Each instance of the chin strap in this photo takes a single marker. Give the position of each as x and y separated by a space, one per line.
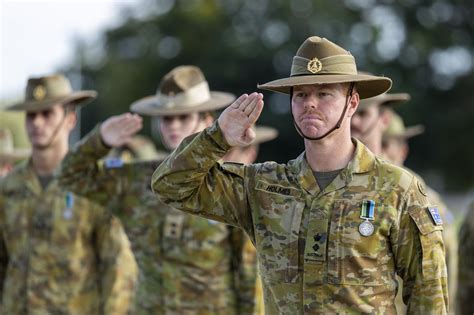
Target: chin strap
338 124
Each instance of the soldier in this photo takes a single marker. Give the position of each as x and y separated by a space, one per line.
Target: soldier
188 265
372 118
465 291
395 149
8 153
59 253
332 227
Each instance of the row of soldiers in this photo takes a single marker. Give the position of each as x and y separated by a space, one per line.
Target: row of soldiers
82 231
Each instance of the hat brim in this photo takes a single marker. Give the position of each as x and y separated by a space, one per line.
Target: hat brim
367 85
387 100
264 134
408 133
15 155
77 98
149 105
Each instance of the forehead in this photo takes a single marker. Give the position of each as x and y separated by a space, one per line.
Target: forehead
53 108
332 86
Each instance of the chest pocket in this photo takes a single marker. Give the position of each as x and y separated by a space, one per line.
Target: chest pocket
277 230
354 258
194 240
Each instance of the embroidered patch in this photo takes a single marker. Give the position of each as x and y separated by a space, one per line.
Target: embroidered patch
113 163
435 215
421 188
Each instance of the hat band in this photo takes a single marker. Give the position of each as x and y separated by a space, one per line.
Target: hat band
195 95
339 64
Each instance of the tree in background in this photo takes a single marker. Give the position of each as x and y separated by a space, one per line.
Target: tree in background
426 47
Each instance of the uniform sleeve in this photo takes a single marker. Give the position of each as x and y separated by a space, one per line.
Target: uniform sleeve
465 293
192 180
117 265
420 256
244 264
82 174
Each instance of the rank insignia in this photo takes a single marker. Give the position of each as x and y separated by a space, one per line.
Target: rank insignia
435 215
367 210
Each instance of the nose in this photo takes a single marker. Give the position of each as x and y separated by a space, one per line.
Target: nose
310 102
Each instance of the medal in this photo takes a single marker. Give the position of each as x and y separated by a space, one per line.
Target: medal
67 213
366 228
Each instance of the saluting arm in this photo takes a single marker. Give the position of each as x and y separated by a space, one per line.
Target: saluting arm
81 172
192 180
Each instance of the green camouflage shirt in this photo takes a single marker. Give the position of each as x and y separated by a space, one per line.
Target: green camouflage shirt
188 265
60 253
465 292
312 257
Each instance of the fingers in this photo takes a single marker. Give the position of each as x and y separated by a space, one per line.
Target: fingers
257 108
238 101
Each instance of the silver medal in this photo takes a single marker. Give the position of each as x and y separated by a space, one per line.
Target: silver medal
366 228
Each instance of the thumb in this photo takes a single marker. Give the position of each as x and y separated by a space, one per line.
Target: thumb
250 135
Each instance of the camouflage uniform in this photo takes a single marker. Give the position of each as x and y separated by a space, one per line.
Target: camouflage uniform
60 253
188 265
465 292
311 255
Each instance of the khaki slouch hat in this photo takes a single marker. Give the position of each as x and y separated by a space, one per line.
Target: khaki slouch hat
46 91
320 61
183 90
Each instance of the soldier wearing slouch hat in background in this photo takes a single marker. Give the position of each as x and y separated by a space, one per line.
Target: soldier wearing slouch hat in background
333 227
188 265
59 253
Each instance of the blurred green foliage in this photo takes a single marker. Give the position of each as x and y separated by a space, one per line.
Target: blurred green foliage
426 47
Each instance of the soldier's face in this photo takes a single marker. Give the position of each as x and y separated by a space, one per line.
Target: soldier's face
395 150
47 127
364 121
175 128
317 108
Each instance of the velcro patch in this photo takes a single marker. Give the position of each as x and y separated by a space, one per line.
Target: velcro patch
435 215
113 163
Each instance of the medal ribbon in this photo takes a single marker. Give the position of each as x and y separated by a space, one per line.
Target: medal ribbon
367 210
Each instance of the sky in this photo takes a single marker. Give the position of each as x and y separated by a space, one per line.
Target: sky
37 36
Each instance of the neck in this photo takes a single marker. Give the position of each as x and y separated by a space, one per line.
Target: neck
330 153
374 143
46 160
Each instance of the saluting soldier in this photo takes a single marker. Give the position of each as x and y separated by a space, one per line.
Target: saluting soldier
188 265
333 226
59 253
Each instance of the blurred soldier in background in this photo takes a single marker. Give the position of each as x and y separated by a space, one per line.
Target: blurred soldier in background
465 290
395 149
331 227
188 265
59 253
9 155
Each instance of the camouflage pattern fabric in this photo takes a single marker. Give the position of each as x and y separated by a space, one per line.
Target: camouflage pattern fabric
450 240
465 292
60 253
311 255
188 265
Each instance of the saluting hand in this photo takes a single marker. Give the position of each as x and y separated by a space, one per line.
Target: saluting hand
236 121
118 130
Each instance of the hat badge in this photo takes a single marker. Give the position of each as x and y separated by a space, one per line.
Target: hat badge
314 65
39 92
